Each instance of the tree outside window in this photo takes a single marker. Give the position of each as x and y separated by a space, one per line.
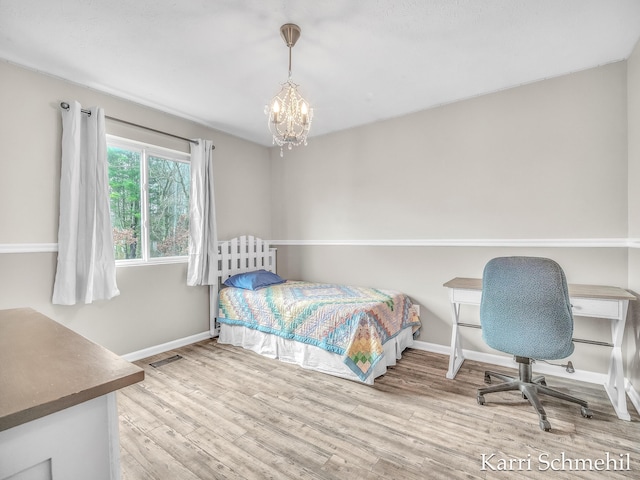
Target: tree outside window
153 222
168 207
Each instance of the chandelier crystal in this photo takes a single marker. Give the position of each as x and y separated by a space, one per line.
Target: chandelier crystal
288 113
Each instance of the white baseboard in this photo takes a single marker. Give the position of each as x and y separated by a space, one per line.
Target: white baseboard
431 347
165 347
633 395
508 362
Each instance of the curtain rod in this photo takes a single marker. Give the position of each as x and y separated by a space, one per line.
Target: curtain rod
65 105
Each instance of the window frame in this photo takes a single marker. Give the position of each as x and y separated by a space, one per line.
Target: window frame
147 150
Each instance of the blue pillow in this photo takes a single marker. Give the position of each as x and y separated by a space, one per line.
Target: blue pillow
253 280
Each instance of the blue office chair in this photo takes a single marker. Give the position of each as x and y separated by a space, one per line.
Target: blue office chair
525 311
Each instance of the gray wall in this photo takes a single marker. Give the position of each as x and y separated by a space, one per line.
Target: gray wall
155 305
557 159
545 160
542 161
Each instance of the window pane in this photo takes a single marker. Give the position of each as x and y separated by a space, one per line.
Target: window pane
124 183
168 207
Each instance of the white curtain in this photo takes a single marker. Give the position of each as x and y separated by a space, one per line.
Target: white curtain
86 268
203 240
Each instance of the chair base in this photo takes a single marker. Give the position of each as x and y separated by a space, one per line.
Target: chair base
530 388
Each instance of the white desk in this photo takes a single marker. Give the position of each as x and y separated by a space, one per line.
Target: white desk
596 301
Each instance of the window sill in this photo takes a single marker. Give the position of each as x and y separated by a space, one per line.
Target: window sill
153 261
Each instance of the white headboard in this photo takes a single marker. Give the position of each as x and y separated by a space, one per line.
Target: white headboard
238 255
244 254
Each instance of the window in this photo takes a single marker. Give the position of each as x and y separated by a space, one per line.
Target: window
149 202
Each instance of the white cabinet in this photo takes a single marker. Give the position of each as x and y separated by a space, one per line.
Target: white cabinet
58 410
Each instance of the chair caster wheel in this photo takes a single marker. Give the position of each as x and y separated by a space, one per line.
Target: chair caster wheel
545 425
480 399
487 379
586 413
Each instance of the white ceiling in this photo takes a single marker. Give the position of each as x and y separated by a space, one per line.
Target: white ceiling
218 62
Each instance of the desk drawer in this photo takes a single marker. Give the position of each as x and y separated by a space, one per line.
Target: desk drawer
469 297
600 308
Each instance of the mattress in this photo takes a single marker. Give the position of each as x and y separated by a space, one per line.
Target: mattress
321 326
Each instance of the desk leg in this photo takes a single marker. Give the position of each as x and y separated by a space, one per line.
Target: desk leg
615 382
455 357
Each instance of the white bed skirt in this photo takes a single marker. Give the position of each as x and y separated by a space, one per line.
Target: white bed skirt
310 356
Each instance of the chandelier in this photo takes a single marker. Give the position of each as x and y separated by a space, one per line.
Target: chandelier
289 114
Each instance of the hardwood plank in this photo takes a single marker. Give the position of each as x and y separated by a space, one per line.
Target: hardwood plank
323 437
194 405
342 468
158 407
154 458
131 469
202 463
248 458
223 412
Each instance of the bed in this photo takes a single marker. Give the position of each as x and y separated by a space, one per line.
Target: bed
346 331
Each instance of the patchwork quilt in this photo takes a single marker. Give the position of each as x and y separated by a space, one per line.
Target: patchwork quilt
353 322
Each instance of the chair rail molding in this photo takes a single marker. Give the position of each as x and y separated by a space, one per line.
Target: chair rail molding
28 247
471 242
401 242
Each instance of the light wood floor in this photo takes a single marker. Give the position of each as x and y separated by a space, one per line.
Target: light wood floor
223 412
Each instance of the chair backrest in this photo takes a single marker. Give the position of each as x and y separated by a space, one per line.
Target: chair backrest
525 308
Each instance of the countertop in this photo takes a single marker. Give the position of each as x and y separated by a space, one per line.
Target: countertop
46 367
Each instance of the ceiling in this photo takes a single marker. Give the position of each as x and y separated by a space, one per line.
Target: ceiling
218 62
